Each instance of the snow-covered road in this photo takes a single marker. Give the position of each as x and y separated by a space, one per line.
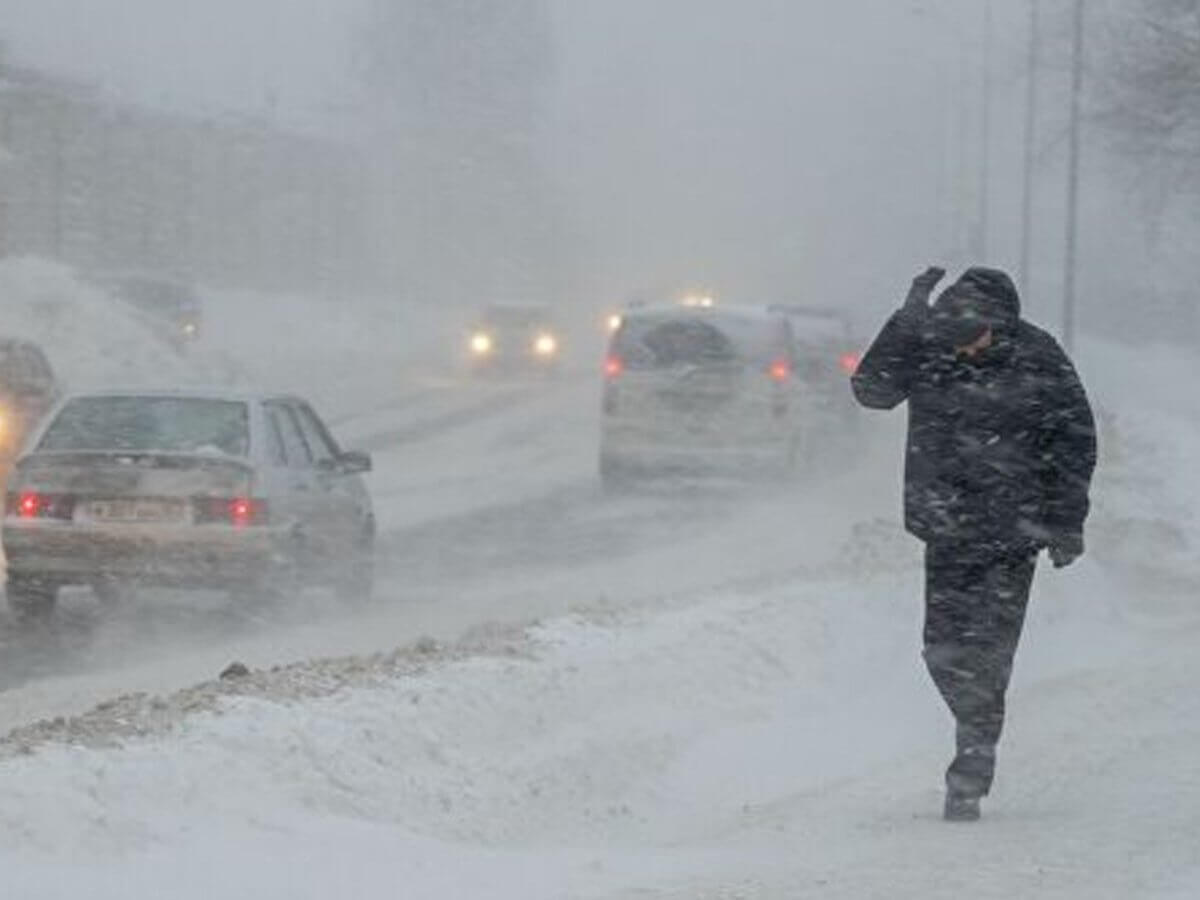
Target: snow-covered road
712 692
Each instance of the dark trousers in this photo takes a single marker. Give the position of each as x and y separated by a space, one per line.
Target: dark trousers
975 601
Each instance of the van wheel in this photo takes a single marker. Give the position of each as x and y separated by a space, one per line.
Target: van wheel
31 598
789 461
616 475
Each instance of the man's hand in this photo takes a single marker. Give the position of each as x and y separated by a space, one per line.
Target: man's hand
1066 549
922 287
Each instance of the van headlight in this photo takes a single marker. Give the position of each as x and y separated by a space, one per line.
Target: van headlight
481 344
545 345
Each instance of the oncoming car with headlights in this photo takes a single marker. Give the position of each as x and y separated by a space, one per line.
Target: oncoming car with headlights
171 308
248 494
700 389
516 338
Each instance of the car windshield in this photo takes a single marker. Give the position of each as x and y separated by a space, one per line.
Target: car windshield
162 298
12 361
151 424
514 317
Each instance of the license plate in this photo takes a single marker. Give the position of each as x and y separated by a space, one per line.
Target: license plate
148 511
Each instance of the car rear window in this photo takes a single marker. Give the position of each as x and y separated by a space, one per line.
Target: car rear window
813 327
687 341
151 424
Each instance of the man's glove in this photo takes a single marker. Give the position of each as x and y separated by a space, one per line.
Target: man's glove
922 288
1065 549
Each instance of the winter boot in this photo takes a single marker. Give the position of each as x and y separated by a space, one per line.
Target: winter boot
961 807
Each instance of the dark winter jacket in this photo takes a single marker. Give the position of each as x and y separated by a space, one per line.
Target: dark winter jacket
1000 448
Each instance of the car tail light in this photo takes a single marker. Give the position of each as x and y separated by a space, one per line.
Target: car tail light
849 362
781 370
34 505
614 367
240 512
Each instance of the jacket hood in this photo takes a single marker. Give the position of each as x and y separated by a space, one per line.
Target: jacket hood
980 299
997 289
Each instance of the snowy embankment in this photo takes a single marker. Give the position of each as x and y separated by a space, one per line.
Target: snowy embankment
775 744
352 359
91 341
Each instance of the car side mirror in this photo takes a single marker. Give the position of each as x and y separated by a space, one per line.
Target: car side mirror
355 462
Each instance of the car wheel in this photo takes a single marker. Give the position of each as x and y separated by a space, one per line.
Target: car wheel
277 583
355 581
111 592
31 598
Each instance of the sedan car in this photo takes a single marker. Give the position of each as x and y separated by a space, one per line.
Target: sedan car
249 494
700 388
170 308
512 338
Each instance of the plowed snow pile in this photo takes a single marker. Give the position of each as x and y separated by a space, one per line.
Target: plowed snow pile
765 746
348 357
91 339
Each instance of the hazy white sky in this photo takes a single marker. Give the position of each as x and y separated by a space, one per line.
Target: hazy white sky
756 142
193 53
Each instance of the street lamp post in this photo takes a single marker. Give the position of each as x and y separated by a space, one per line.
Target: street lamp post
1031 97
985 140
1072 248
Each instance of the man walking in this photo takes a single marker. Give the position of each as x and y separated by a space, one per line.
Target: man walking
1001 449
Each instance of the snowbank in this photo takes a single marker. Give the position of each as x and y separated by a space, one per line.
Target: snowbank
91 340
781 744
349 355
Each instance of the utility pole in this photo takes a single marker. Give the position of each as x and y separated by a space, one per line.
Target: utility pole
1031 96
1072 250
985 137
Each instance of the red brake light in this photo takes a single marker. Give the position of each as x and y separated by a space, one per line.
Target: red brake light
781 370
29 506
614 366
32 505
240 512
849 362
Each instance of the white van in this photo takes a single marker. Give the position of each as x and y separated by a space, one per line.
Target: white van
700 389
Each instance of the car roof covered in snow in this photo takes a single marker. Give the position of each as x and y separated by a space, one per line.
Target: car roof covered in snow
816 322
756 330
736 317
